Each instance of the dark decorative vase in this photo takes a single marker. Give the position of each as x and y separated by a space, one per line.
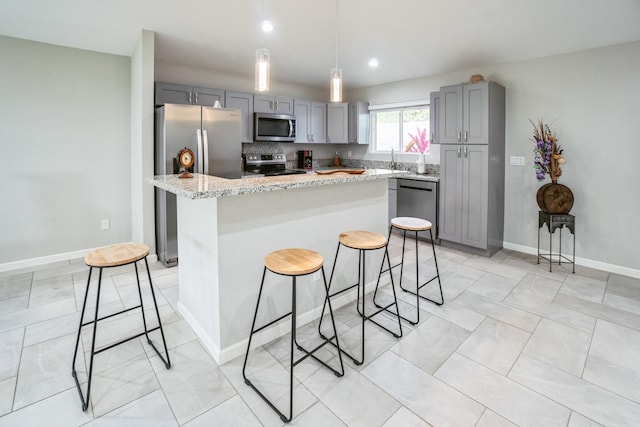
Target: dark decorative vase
555 198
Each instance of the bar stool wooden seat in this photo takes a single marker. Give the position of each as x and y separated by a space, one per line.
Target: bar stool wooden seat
115 256
363 241
415 224
294 263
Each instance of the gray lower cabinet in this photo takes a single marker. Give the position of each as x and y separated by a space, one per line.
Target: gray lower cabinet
471 196
171 93
338 122
243 102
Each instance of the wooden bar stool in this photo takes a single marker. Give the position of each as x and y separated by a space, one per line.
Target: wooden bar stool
415 224
293 263
364 241
115 256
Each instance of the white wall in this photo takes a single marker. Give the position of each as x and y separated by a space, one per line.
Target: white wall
64 133
594 96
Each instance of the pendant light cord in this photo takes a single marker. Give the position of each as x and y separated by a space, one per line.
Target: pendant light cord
336 33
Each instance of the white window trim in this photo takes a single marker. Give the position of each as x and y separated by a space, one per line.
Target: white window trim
397 105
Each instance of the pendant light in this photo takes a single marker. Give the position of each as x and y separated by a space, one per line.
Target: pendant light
263 70
263 60
336 73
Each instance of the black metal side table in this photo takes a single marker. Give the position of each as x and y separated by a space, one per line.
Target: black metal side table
555 221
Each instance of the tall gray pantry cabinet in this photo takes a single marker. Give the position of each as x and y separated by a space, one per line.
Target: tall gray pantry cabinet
472 162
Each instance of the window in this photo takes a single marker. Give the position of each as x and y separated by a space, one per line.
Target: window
401 129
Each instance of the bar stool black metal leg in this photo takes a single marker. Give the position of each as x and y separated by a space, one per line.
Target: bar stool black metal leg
418 286
85 401
246 356
253 328
167 361
395 298
75 353
324 306
293 340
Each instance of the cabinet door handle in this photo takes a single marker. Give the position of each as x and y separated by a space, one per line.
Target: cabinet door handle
196 98
466 133
465 151
276 105
189 97
459 151
459 135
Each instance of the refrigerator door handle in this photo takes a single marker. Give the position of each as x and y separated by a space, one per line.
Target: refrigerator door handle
206 151
199 153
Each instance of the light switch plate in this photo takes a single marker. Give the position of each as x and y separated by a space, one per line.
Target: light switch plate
516 161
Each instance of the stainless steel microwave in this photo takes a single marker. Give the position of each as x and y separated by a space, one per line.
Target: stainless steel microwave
274 127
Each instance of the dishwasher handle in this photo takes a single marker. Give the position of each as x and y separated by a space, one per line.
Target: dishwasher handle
415 188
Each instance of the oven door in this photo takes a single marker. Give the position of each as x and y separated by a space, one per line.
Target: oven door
274 127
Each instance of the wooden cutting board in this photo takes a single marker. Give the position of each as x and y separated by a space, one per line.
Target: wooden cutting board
349 171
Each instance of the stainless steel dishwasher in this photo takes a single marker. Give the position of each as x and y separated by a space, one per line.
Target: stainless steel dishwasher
419 199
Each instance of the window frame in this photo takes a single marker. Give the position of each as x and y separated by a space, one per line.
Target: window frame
400 107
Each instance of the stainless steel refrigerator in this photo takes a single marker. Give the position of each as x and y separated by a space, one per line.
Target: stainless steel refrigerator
214 136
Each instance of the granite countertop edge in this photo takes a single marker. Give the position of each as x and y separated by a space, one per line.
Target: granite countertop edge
205 186
421 177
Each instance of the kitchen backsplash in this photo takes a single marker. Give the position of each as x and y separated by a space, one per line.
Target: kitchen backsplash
324 158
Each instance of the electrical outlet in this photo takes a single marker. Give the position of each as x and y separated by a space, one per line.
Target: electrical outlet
317 276
104 224
349 154
516 161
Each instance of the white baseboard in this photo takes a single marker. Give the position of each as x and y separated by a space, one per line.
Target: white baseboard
65 256
598 265
239 348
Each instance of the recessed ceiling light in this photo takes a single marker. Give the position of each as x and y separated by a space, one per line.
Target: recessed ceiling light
267 26
373 62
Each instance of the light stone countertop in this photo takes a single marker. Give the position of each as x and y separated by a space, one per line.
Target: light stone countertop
205 186
421 177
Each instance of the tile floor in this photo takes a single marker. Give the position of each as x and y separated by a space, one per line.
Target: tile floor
512 345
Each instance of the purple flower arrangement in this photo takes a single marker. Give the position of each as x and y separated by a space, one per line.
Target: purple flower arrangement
547 155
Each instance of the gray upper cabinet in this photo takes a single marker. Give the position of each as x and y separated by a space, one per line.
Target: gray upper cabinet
243 102
359 122
451 114
338 123
208 97
464 113
170 93
272 104
472 171
311 121
434 117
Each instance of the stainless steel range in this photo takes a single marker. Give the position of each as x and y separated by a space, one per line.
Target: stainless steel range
268 165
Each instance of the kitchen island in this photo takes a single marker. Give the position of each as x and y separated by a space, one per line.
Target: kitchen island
226 227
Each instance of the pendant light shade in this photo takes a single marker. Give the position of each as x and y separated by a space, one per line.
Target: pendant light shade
336 85
263 70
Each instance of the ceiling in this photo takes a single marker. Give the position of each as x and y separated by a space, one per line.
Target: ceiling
411 38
